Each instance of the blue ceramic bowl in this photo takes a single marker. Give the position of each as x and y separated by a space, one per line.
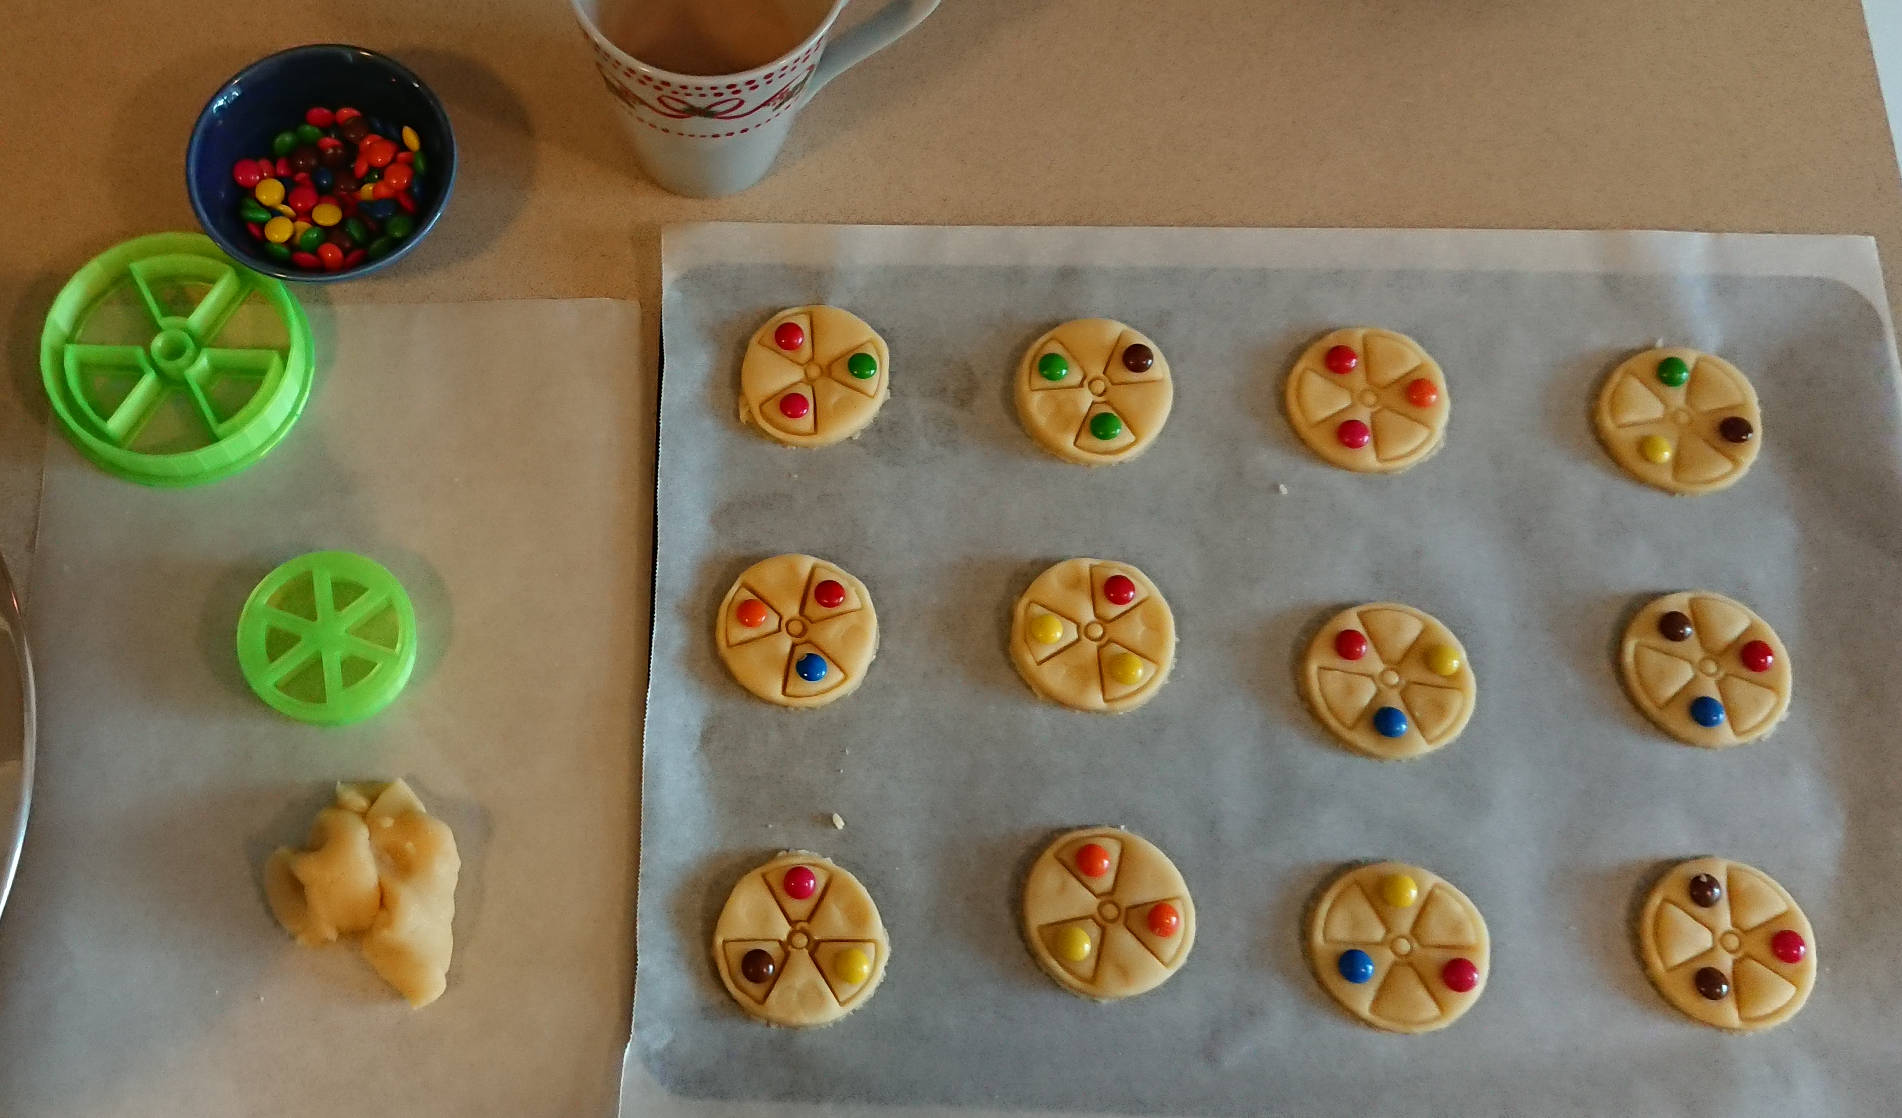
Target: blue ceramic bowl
271 95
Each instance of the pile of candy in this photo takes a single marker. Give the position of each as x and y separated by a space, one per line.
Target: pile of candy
336 190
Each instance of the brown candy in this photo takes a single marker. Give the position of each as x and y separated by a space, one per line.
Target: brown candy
1705 890
1674 626
1138 358
758 966
334 157
304 159
345 183
353 130
1736 429
1712 983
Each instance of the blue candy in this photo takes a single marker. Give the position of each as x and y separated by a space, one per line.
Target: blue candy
1390 722
323 179
1356 966
377 209
1707 712
811 667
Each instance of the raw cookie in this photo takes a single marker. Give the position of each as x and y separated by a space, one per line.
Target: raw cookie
800 942
1093 634
797 631
1680 420
814 376
1106 914
1399 947
1368 400
1726 945
1388 680
1094 391
1706 669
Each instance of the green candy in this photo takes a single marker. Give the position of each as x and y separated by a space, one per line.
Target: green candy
380 247
309 133
1674 372
283 144
1052 366
418 164
354 229
1105 426
862 365
277 251
400 226
310 239
253 211
374 174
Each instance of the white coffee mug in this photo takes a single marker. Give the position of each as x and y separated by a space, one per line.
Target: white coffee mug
708 136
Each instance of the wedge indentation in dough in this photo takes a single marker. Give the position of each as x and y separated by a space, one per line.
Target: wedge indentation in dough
797 909
810 607
797 686
736 950
1083 969
1443 922
1710 388
1041 652
1747 705
1164 948
825 955
1346 694
1661 674
737 634
1403 997
836 333
840 404
1074 375
1435 709
841 371
1680 937
1352 919
1145 629
772 373
1392 631
1753 901
1388 359
1086 438
1698 462
1632 403
1759 990
1396 436
772 415
1107 610
798 356
1113 688
1319 397
1718 623
1104 883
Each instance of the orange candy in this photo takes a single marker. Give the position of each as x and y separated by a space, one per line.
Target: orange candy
751 613
1422 393
1164 920
1092 860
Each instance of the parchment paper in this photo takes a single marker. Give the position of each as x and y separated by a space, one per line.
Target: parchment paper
1552 811
495 457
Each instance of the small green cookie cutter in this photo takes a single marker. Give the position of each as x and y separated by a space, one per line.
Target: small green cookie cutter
134 371
327 638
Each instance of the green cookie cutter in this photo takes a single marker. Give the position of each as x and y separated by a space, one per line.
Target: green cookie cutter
327 638
170 364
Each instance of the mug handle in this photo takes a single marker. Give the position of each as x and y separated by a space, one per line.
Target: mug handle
867 39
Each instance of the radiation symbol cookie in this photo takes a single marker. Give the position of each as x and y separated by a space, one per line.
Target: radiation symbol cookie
799 942
1399 947
1094 391
1368 400
1389 680
1683 421
1106 914
797 631
1093 635
1726 945
814 376
1706 669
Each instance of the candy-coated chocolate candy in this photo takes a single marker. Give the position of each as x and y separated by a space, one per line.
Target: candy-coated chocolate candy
1711 983
1655 448
1674 372
305 260
1422 393
420 165
757 966
830 594
380 153
1460 975
277 230
1399 890
408 203
1106 425
1674 625
282 143
319 117
397 176
247 174
789 335
343 182
1046 628
256 231
1707 712
399 225
1757 656
1353 434
334 158
326 214
1788 946
800 882
310 239
751 613
1126 668
382 189
323 180
281 253
811 667
358 232
1053 366
1443 659
286 211
1705 890
411 140
366 192
354 257
252 210
1736 429
1092 860
301 198
378 210
1119 589
794 406
1164 921
353 130
347 114
330 256
1072 943
270 192
1138 358
283 168
1350 644
308 133
1390 722
379 247
1341 359
1355 965
852 966
862 366
304 159
336 236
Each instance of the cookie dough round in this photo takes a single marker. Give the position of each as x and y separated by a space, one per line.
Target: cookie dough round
1706 669
1682 421
1094 391
1389 680
1726 945
797 631
1107 914
814 376
799 942
1094 635
1399 947
1369 400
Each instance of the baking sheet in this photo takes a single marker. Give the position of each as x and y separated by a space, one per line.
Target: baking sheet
496 457
1551 811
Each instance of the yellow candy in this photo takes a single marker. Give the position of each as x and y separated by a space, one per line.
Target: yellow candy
366 192
269 192
298 227
1655 448
852 967
1073 943
286 211
1399 891
1442 660
277 230
326 214
411 140
1046 629
1126 668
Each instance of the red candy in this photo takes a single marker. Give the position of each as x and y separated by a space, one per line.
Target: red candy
254 229
1119 589
1092 860
789 335
1350 644
405 201
406 157
328 143
382 189
1788 946
800 882
1342 359
305 260
380 153
247 173
330 256
398 176
1460 975
1756 656
320 117
1164 920
301 198
283 168
354 257
346 115
1353 434
1422 393
829 594
794 406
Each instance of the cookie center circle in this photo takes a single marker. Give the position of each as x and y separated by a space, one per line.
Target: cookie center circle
1108 912
1680 417
798 940
795 627
1368 398
814 372
1707 665
1098 386
1731 942
1093 631
1402 946
1389 677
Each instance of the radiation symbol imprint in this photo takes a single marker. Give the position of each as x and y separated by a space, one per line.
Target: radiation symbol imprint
1094 635
1706 669
797 631
1094 391
800 942
1399 947
1388 680
1682 421
814 376
1726 945
1368 400
1107 914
